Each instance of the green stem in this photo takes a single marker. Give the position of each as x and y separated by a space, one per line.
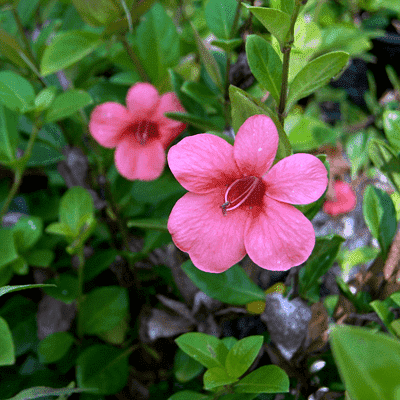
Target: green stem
21 165
135 60
286 49
81 266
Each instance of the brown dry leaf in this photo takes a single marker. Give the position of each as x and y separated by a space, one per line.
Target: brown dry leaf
392 264
343 309
317 335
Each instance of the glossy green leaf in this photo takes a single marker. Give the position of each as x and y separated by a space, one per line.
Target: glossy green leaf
76 208
16 93
209 124
11 49
266 379
27 231
232 286
265 65
40 392
227 45
158 43
206 349
217 376
385 159
229 341
287 6
391 126
59 228
209 61
200 93
383 312
54 347
149 223
7 352
316 74
9 136
369 362
319 262
104 369
100 13
356 149
361 255
276 21
67 104
104 308
45 97
220 15
242 355
8 251
380 216
9 289
185 367
188 395
244 106
67 49
396 298
65 288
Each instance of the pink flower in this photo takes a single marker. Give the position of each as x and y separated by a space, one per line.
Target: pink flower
235 207
345 199
141 133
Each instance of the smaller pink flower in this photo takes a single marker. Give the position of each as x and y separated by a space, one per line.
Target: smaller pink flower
344 201
238 204
141 132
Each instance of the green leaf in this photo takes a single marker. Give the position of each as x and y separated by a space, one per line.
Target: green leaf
242 355
265 65
27 231
356 149
266 379
276 21
65 288
316 74
12 50
361 255
76 208
9 137
104 308
98 262
206 349
396 298
198 122
185 367
7 353
369 362
103 369
217 376
67 49
59 228
232 286
244 106
200 93
209 61
385 159
220 15
54 347
287 6
321 259
383 312
100 13
9 289
43 154
188 395
380 216
40 391
149 223
45 97
227 45
39 257
16 93
8 251
67 104
158 43
391 126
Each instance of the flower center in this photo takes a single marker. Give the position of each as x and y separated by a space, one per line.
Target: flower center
144 131
249 190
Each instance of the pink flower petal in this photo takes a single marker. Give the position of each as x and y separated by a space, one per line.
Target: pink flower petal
135 161
107 123
279 237
203 162
214 241
255 145
345 201
142 100
297 179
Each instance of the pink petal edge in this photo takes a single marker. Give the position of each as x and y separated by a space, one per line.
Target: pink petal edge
142 101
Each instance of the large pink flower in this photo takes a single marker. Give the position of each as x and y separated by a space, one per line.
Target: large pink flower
344 201
236 204
141 133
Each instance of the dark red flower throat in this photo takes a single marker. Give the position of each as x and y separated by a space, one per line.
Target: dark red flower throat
246 192
143 131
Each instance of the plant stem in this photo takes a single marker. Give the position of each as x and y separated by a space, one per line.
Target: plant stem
286 49
21 165
79 300
135 60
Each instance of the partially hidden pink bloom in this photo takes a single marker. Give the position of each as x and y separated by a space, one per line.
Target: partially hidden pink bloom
344 201
238 204
140 132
